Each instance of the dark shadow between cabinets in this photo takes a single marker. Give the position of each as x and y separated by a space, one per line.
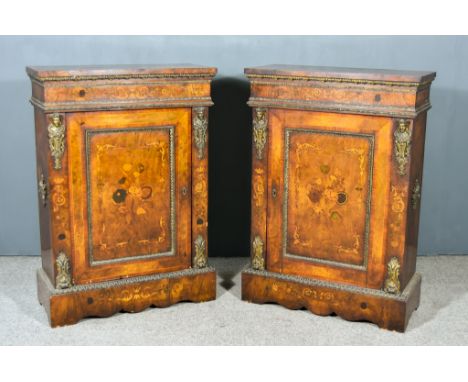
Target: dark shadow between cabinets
230 126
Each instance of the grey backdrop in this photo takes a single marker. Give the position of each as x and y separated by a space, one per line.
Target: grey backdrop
444 214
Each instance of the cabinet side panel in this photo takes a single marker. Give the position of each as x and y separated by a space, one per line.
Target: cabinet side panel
59 195
275 224
259 193
414 198
199 188
183 181
403 140
42 170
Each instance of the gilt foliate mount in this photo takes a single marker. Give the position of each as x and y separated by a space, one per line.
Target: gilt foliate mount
63 280
258 260
200 260
392 282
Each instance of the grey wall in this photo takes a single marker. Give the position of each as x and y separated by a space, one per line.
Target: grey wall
444 215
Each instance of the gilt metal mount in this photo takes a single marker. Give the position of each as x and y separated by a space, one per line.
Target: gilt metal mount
200 259
63 279
416 195
402 146
200 129
56 132
43 190
258 261
260 131
392 282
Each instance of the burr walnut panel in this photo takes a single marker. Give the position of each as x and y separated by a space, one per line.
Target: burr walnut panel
328 217
129 185
327 175
136 89
135 167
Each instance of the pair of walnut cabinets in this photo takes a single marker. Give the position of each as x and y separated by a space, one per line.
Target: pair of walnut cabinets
337 157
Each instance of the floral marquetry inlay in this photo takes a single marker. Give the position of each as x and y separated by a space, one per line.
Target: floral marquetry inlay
131 189
328 182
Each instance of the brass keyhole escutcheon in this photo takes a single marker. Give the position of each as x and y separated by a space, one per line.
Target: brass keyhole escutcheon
342 197
184 191
273 193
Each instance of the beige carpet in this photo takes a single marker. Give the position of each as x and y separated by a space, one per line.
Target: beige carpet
442 318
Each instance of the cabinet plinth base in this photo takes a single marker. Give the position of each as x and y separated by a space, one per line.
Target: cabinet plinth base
68 306
352 303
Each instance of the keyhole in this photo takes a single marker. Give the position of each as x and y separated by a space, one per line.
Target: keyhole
273 193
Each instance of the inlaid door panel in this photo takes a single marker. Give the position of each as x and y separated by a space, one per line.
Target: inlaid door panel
326 210
131 188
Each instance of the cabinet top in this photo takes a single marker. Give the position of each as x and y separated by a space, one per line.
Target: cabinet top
72 73
392 93
326 72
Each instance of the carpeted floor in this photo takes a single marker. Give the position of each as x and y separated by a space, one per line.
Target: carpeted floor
442 318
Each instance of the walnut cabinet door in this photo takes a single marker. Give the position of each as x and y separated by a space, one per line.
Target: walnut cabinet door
328 180
130 182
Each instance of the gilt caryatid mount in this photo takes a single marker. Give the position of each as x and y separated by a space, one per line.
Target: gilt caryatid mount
56 132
